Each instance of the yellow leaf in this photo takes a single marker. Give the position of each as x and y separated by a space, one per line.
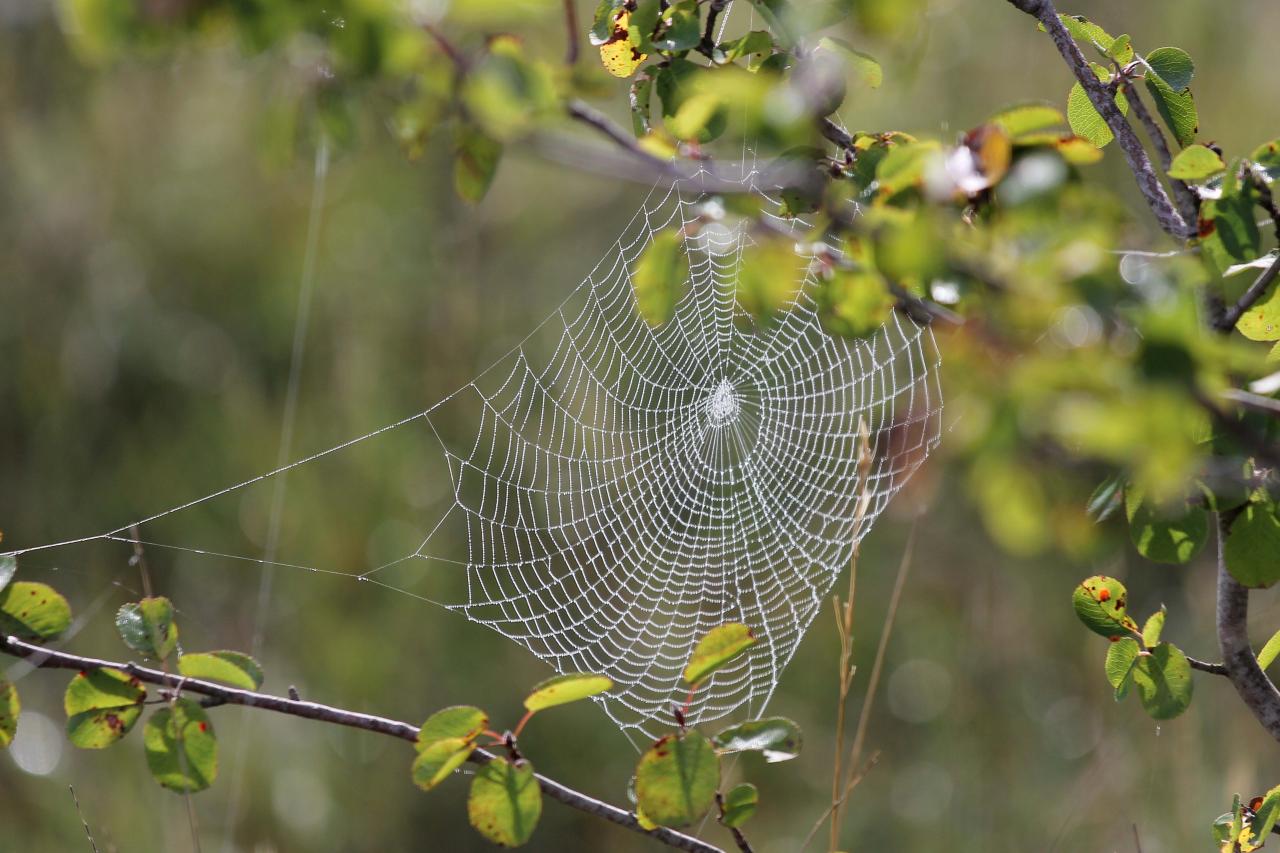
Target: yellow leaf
619 55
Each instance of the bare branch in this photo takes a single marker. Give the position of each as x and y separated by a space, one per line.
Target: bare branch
41 657
1255 688
571 27
1102 97
1203 666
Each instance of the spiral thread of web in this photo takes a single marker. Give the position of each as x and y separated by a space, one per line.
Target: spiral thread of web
629 488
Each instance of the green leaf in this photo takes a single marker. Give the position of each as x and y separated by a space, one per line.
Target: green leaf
33 611
1085 31
1172 65
865 66
695 114
678 81
756 46
770 275
1262 321
234 668
1264 817
1106 498
602 21
1121 50
681 30
1085 121
147 627
9 710
661 277
740 804
8 566
437 761
776 738
1153 628
1028 118
505 802
1161 536
465 722
1269 651
720 645
1228 226
569 687
101 705
1196 163
854 304
903 167
475 162
1100 603
1252 549
677 778
182 751
1121 657
1177 109
1162 677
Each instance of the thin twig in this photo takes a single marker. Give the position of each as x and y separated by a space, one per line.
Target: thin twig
455 56
1232 315
1255 402
87 834
1205 666
53 659
1102 97
853 783
571 28
708 45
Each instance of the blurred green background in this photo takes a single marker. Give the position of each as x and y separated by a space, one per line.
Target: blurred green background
154 217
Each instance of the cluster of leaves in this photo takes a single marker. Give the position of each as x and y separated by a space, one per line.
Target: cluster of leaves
1247 826
676 781
103 704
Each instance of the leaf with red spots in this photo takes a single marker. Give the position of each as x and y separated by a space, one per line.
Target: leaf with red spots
33 611
102 705
9 708
1101 603
505 802
1264 816
182 751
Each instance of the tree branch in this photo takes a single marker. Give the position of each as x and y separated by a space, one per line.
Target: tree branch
1188 204
1103 99
1255 688
1203 666
571 27
43 658
1232 315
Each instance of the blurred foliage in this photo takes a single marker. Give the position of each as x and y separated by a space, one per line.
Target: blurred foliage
153 182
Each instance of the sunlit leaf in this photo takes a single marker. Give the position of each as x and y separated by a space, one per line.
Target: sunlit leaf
770 276
1153 628
1085 121
569 687
740 804
234 668
619 55
505 802
1162 678
33 611
661 277
677 778
182 751
1088 33
903 167
776 738
1121 657
1196 163
464 722
147 627
719 646
1261 322
102 705
1176 109
437 761
9 710
1028 118
1270 650
1101 603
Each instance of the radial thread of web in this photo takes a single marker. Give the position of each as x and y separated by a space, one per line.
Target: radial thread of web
629 488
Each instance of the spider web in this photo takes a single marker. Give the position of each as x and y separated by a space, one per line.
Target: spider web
623 489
